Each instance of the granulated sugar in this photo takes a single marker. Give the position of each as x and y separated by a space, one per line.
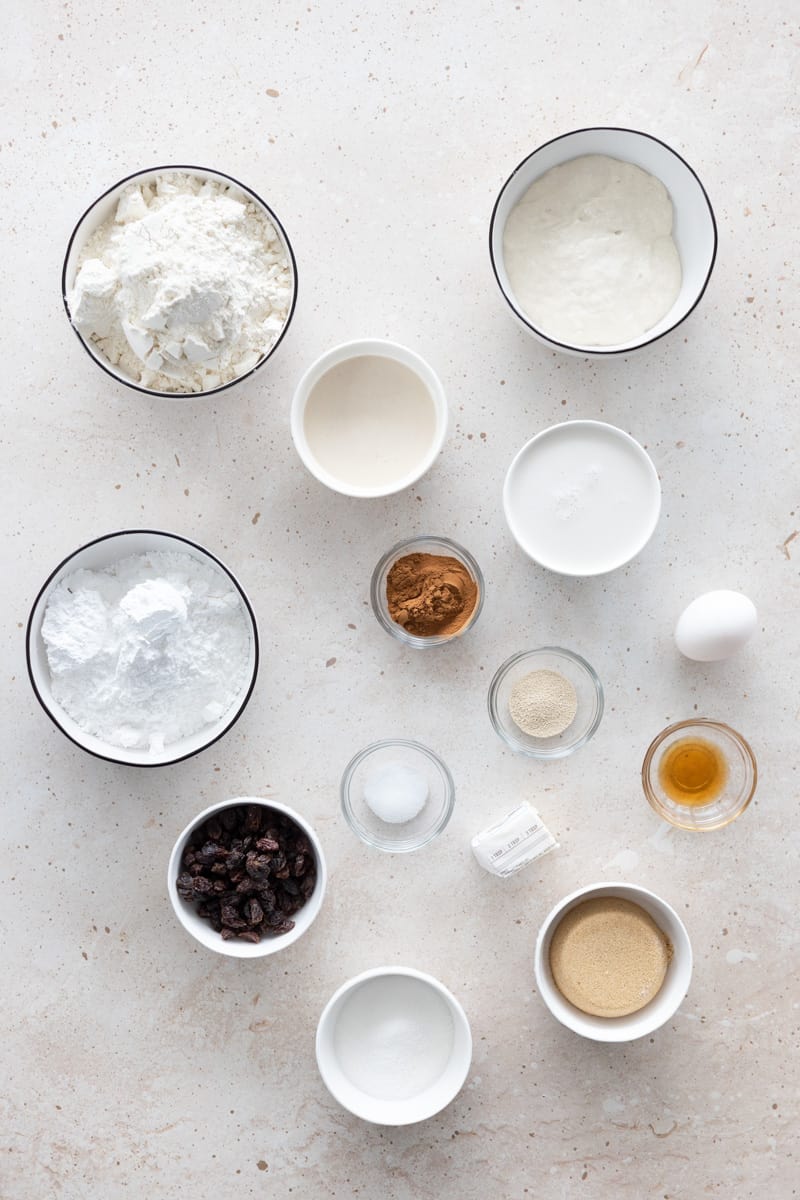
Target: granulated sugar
148 650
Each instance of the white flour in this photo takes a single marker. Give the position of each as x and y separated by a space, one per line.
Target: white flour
147 651
186 287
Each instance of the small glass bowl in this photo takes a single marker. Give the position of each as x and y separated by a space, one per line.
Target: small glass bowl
421 545
410 835
588 689
739 787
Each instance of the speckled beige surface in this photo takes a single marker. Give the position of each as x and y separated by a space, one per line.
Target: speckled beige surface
137 1065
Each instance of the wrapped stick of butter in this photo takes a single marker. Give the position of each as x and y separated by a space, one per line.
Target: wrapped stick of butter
522 836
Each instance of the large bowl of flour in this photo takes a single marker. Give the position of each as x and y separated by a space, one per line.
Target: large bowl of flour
179 281
142 648
602 241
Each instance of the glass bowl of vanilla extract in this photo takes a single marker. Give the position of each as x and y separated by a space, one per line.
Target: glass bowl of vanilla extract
699 775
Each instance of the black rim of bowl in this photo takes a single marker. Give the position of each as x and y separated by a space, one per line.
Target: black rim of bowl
595 352
137 387
122 762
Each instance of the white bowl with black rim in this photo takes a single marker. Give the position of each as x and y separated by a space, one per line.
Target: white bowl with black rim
101 209
694 228
98 555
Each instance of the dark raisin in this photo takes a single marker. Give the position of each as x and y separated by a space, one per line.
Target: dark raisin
214 829
267 898
226 934
247 887
249 935
184 885
307 885
258 866
267 845
252 819
291 886
253 912
202 886
283 926
234 860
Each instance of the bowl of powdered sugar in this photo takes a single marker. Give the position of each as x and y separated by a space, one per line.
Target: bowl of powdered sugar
142 648
179 281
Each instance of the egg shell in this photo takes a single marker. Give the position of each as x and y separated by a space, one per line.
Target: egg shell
715 625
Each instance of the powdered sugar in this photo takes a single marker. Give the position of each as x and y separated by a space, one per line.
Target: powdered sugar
186 287
147 651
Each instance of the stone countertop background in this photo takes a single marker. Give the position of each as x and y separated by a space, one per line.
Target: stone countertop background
135 1063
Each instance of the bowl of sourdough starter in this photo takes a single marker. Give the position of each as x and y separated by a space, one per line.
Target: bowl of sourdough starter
602 241
369 418
179 281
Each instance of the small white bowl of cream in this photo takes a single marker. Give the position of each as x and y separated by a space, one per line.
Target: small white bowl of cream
369 418
602 241
582 498
393 1046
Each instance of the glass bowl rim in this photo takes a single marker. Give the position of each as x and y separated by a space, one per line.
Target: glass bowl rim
365 753
519 747
704 723
397 631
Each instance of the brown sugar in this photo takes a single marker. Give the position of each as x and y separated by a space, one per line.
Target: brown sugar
608 957
430 595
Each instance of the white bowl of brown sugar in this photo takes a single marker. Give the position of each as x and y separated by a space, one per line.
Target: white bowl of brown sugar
613 962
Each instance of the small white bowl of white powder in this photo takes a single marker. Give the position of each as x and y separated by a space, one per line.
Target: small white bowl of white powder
142 648
394 1046
602 241
179 281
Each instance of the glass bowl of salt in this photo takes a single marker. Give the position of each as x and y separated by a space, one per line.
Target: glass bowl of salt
545 703
397 795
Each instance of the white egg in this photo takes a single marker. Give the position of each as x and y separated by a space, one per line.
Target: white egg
715 625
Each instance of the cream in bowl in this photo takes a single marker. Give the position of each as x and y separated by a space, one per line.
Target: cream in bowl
602 240
582 498
179 281
369 418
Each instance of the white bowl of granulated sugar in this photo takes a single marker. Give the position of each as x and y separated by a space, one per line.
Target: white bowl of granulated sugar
142 648
179 281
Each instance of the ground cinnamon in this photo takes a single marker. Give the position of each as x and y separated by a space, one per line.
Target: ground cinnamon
430 595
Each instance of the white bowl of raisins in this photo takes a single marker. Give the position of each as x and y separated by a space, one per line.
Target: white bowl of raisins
247 877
